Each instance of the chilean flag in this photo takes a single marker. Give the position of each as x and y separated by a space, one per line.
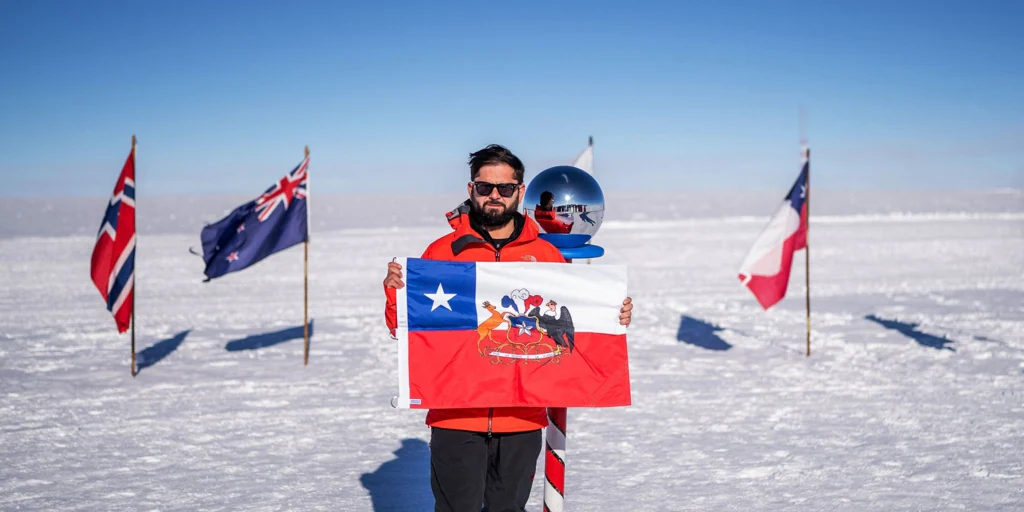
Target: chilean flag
511 335
113 256
766 268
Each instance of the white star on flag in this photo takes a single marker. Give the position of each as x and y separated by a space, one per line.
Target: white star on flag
440 298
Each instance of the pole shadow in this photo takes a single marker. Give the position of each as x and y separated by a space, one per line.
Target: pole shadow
159 350
701 334
910 330
986 339
268 339
402 483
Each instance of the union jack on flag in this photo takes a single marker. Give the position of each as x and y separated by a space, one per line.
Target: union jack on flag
291 186
113 257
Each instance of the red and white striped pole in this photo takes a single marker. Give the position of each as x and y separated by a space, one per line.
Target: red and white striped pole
554 461
554 453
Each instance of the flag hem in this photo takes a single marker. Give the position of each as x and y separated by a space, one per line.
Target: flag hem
402 335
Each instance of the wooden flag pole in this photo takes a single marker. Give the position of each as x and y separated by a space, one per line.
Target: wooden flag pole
807 249
305 278
807 234
134 372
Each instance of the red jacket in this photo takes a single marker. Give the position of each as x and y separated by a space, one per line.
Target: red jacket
465 244
549 220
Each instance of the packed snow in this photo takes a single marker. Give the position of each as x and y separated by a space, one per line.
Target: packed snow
912 399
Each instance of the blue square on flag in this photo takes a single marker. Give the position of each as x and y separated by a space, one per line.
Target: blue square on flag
441 295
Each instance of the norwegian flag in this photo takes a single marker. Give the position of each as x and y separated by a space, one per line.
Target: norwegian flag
765 270
272 222
113 257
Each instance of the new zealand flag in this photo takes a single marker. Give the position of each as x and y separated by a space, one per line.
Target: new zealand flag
273 222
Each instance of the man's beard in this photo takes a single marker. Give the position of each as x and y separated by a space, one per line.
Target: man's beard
491 218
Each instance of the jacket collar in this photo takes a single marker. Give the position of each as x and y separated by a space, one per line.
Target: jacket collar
465 234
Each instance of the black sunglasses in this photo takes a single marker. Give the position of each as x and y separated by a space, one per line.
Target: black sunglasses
484 188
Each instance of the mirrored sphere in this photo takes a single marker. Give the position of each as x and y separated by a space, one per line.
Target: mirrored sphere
565 200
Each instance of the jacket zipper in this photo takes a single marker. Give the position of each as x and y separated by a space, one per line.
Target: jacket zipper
490 412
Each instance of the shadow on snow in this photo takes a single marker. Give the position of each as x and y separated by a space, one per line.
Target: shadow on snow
910 330
402 483
159 350
268 339
701 334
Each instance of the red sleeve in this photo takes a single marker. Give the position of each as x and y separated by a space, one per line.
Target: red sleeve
391 303
391 309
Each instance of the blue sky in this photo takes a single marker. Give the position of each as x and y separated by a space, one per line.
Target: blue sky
391 97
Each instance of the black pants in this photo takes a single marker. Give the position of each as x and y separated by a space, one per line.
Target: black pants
470 469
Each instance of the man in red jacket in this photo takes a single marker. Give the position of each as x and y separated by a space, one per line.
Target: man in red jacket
547 217
486 456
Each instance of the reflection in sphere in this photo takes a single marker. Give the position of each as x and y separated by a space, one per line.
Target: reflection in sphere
565 200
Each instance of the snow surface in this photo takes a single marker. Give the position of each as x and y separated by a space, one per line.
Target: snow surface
913 398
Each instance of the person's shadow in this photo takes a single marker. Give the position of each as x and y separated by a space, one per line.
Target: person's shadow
269 339
159 350
910 330
701 334
402 483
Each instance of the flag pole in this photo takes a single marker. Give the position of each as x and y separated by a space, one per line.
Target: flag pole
807 232
134 372
807 248
590 144
305 277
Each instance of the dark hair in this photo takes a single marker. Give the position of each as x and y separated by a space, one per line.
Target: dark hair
546 196
495 154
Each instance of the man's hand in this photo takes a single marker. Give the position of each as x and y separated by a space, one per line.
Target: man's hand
625 314
394 277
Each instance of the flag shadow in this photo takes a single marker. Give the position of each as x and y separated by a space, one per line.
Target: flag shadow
701 334
910 330
159 350
268 339
402 483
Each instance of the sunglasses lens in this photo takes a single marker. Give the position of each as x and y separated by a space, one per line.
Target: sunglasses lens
483 188
506 189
